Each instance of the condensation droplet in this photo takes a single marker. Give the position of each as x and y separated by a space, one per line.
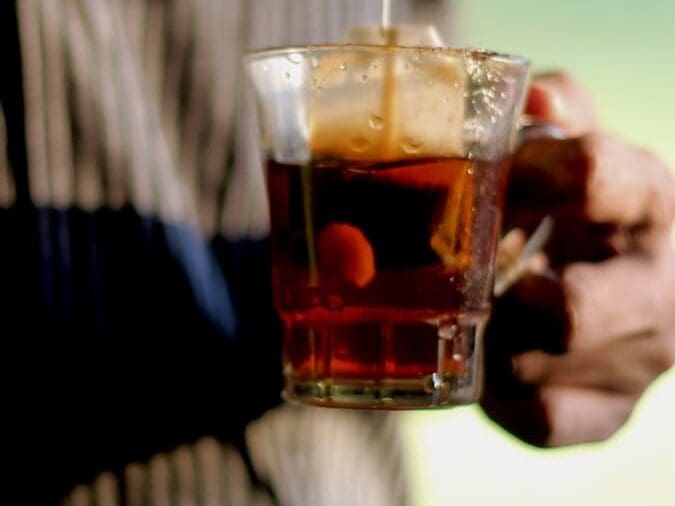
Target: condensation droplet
294 58
314 62
359 144
316 85
411 146
447 331
287 75
342 66
406 66
375 122
364 77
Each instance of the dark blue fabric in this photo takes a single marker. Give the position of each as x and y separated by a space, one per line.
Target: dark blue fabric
125 336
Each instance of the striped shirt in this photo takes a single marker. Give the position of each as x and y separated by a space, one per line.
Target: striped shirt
301 457
133 272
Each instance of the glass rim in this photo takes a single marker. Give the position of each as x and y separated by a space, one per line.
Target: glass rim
268 52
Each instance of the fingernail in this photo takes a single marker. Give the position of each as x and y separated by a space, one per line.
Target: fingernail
545 104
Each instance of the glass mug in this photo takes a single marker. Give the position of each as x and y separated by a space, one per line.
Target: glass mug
386 172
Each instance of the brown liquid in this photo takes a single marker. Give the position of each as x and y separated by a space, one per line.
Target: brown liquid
373 262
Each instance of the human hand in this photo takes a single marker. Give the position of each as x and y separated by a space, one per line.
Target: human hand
574 344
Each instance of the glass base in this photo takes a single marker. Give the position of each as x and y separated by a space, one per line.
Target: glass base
394 394
385 365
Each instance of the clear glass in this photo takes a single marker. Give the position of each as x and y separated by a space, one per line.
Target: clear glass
386 174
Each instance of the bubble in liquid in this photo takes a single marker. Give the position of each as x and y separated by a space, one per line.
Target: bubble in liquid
364 77
342 66
287 75
294 58
411 146
375 122
469 171
359 144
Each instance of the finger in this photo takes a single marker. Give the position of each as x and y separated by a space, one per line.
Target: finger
627 366
560 99
589 304
533 314
578 415
621 296
557 416
609 180
576 239
520 412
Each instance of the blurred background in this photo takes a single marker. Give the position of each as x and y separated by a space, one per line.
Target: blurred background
625 53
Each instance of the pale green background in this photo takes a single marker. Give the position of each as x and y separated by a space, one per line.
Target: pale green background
625 53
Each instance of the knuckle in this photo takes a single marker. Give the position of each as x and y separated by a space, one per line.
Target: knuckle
553 410
593 149
591 143
664 352
577 417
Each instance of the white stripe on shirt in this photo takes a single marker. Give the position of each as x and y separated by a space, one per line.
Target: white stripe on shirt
7 188
34 100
